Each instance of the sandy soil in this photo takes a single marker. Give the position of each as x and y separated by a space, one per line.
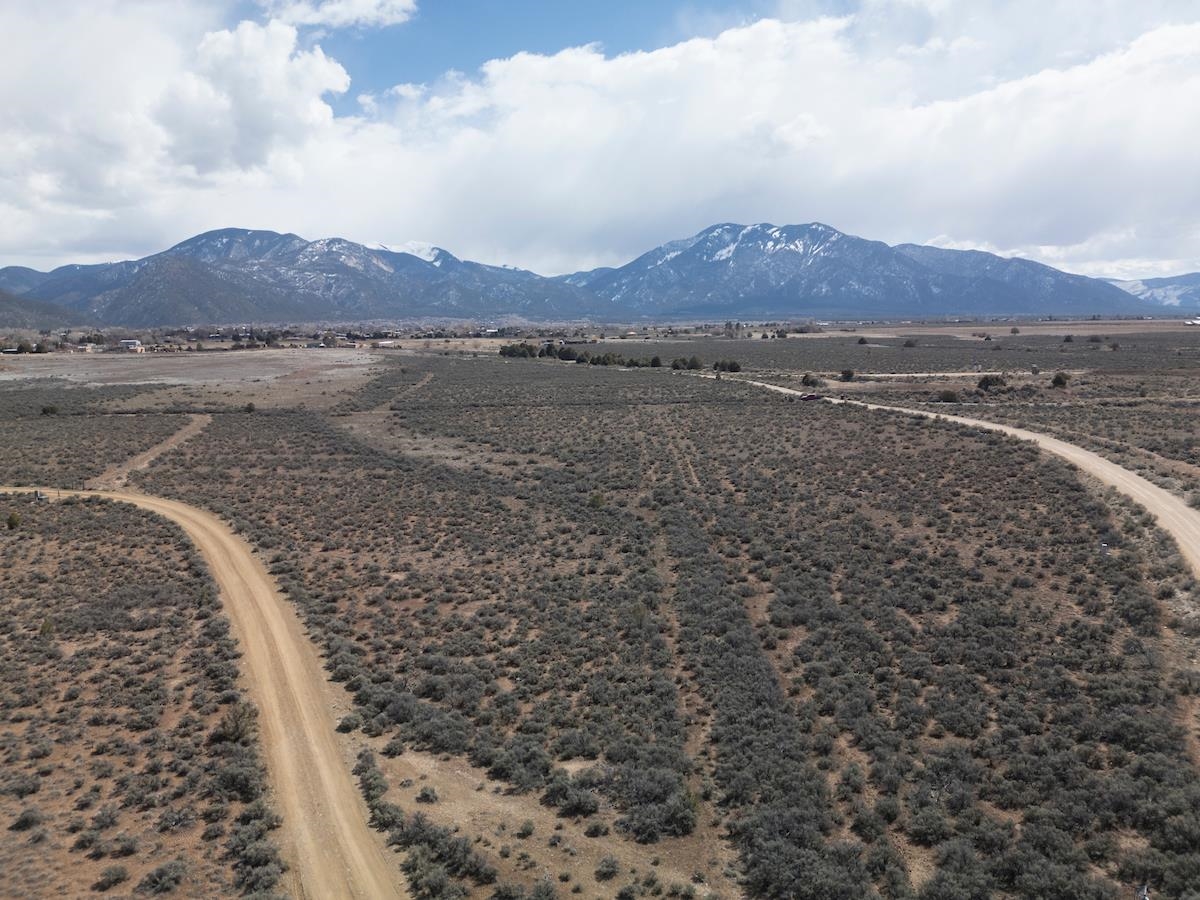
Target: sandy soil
324 838
482 809
379 430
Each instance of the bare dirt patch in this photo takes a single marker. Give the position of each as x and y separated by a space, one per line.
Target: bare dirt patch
283 377
483 808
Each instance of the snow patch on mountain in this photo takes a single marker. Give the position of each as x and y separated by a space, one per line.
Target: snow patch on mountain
420 249
1168 295
1177 290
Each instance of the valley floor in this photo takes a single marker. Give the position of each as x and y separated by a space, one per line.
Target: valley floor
580 630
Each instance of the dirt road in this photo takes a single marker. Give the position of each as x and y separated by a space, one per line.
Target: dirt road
115 477
325 839
1174 516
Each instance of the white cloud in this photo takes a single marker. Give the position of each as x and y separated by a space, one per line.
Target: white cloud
341 13
551 159
79 158
1031 131
250 90
109 152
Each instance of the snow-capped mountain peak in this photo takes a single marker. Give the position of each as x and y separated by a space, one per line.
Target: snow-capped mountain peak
763 269
420 249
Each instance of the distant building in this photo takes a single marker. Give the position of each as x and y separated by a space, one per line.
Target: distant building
132 346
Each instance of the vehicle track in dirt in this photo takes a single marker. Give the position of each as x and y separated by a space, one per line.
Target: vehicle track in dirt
324 838
1172 514
115 477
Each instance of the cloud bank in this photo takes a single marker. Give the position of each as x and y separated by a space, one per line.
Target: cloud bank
1013 126
341 13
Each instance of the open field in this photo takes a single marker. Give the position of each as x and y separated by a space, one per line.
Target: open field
1143 419
194 381
1157 437
1053 328
1170 512
213 367
604 632
1135 404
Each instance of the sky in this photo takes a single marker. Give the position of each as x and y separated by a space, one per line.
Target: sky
560 136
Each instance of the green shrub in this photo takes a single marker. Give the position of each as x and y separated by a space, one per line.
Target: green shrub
164 879
30 817
608 869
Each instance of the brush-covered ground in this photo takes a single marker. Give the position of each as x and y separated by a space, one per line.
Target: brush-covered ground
128 759
633 633
610 632
1130 395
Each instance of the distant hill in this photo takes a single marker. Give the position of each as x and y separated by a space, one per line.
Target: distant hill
1021 285
19 279
726 271
22 313
1181 291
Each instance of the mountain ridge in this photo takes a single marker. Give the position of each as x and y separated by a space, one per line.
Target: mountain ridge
728 270
735 270
1181 291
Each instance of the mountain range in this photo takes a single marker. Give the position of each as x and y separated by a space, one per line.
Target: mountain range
727 271
1181 291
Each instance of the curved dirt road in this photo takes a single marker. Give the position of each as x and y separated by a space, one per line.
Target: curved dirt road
1173 515
324 839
